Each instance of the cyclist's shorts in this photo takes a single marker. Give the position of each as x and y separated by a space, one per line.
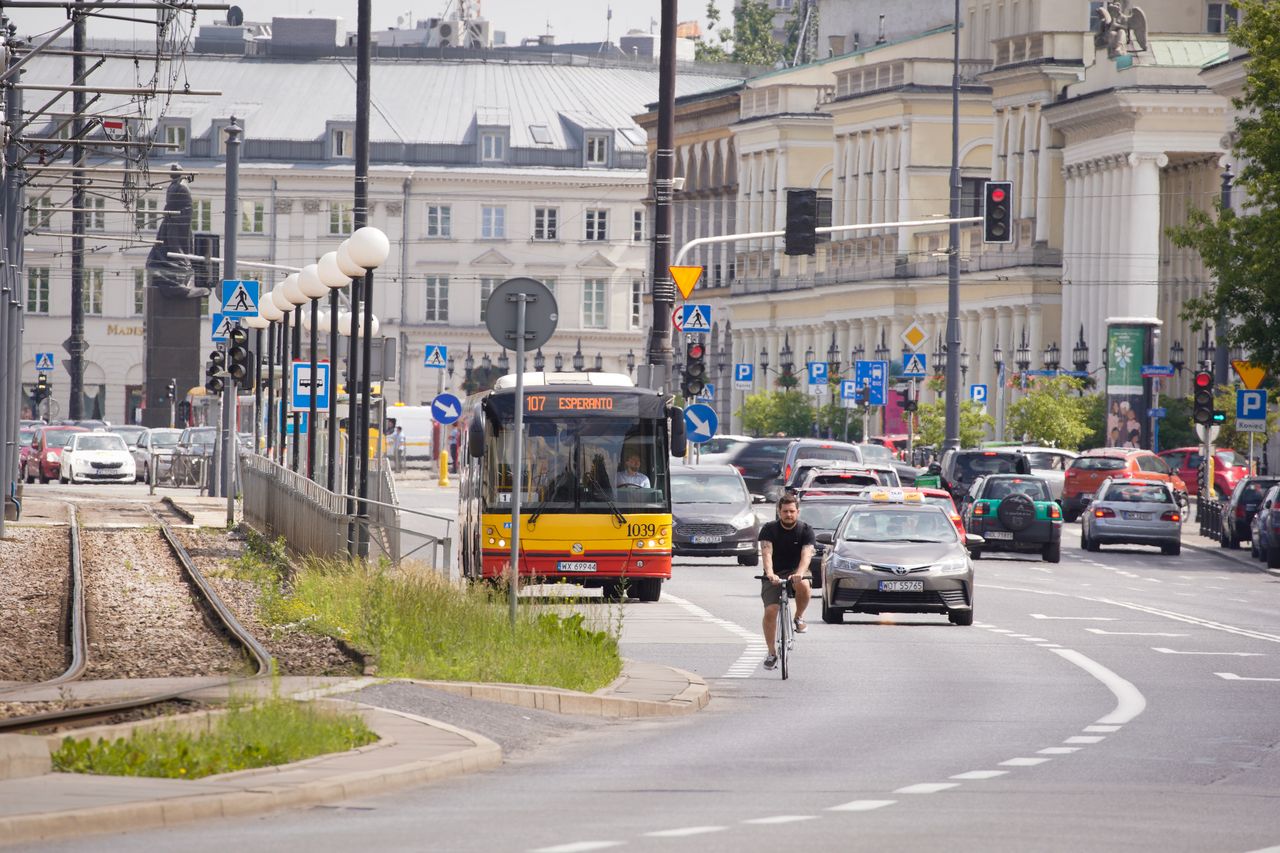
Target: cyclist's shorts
771 593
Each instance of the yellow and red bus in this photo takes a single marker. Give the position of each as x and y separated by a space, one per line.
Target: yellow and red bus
595 500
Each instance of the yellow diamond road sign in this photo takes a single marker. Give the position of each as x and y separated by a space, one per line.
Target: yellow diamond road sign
913 336
1250 374
686 278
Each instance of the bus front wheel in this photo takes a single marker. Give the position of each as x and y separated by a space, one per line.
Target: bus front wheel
648 589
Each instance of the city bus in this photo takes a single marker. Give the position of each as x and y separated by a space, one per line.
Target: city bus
595 500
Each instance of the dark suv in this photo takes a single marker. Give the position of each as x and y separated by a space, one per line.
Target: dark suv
1240 508
960 468
760 464
1014 513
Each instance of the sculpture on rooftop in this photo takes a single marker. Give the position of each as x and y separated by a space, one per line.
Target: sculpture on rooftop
173 275
1121 30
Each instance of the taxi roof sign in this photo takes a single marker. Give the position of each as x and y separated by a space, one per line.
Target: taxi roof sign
686 278
901 496
1250 374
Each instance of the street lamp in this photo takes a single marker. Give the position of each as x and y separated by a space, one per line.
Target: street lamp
882 351
764 359
599 361
1206 348
468 367
964 367
940 357
1080 353
1022 358
539 360
833 357
1052 357
504 364
1175 357
784 356
578 361
449 365
631 360
559 362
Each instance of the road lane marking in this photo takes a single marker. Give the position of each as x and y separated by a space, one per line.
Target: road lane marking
1231 676
782 818
1132 633
1129 700
1049 645
752 656
1075 618
1086 739
980 774
685 832
1164 651
1024 762
1102 728
861 805
1195 620
578 847
927 788
1058 750
1035 639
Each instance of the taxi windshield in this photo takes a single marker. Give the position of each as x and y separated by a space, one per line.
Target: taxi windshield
897 525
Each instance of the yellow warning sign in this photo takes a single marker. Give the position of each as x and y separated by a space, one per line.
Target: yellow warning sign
913 335
686 278
1250 374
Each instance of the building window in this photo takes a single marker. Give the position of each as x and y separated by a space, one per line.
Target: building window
493 147
40 212
545 223
598 150
493 222
1222 16
37 290
146 215
971 196
437 305
175 134
637 302
91 296
202 215
343 143
597 224
551 285
439 221
486 288
341 218
637 226
139 292
96 218
593 303
253 217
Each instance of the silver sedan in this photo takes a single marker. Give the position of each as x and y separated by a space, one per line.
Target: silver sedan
1130 511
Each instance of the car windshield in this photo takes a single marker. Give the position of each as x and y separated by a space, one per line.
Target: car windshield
1041 461
1097 463
822 516
1135 493
1231 458
202 436
1000 489
102 441
165 439
876 453
707 489
59 437
893 525
970 466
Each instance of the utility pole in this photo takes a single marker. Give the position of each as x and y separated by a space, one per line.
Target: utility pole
952 439
360 218
664 289
1222 326
75 345
230 228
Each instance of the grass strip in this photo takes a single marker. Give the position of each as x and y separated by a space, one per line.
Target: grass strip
276 731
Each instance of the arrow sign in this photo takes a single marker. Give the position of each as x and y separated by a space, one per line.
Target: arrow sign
437 356
695 318
240 298
221 330
700 422
44 361
686 278
446 408
914 364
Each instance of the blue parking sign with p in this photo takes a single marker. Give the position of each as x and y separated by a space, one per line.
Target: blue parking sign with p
978 393
744 372
817 372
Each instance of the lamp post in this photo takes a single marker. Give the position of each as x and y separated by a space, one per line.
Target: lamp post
273 315
1207 350
1052 357
312 287
997 361
599 361
882 351
578 361
964 367
785 362
559 362
504 363
631 361
1176 361
468 366
540 360
335 278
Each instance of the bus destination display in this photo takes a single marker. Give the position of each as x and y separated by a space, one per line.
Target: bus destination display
581 404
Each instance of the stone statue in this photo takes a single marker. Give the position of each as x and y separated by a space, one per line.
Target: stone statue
173 275
1121 31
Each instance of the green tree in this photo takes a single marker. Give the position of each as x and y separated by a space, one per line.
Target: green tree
974 423
1240 249
749 42
772 412
1176 427
1050 413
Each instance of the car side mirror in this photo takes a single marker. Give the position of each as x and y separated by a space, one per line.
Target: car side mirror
775 470
973 540
825 537
1086 499
759 499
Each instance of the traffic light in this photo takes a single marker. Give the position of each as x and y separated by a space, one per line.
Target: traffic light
42 386
908 400
213 382
997 212
694 380
1202 411
173 390
802 219
863 397
238 355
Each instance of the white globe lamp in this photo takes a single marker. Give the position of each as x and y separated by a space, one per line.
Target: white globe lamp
281 301
329 271
267 308
344 323
369 247
293 290
310 284
348 266
257 322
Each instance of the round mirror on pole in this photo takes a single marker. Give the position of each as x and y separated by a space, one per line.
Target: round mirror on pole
369 247
310 284
348 266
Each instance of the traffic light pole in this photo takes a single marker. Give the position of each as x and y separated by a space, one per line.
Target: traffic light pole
230 228
659 356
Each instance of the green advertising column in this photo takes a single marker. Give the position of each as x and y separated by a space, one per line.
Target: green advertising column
1129 345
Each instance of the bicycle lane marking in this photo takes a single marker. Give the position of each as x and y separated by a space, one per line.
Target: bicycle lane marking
755 651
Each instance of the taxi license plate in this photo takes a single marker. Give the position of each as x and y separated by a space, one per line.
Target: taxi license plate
1137 516
902 586
706 540
575 566
998 534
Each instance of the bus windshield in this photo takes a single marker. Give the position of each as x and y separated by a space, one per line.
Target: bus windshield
580 465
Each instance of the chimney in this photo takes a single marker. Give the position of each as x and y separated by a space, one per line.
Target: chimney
837 45
880 39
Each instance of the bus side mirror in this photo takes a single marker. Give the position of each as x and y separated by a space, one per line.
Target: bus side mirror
475 435
679 444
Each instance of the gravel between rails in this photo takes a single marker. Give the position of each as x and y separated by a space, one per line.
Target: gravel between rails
144 620
35 576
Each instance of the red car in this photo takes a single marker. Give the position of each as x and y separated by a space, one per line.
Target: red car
44 456
1229 468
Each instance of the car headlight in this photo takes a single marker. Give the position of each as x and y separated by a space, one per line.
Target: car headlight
51 457
953 567
744 520
844 564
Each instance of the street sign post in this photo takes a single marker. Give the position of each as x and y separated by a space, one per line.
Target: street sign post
1251 411
446 408
435 356
221 328
1152 370
817 373
744 376
849 393
240 298
872 374
914 365
686 278
44 361
978 394
695 318
914 335
1250 374
708 392
304 386
700 422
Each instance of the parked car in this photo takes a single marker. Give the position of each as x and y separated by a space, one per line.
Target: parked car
897 557
192 455
97 457
960 468
1132 510
160 443
130 433
1013 512
760 464
1238 512
720 449
712 514
1050 464
1088 471
1264 541
1229 468
45 458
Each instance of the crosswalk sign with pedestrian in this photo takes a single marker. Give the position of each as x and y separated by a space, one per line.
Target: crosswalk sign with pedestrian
437 356
240 298
696 318
44 361
913 365
222 326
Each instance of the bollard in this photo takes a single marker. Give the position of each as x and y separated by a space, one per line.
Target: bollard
444 468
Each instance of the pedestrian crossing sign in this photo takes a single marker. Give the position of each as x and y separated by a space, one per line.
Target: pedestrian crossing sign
240 298
696 318
222 326
437 356
913 365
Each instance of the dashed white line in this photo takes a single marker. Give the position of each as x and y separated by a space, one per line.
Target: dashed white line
685 831
1164 651
1024 762
980 774
1231 676
1074 618
1086 739
927 788
782 818
578 847
1102 728
1132 633
1034 639
1058 750
861 805
752 655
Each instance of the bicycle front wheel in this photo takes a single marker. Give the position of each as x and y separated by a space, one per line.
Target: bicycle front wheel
784 640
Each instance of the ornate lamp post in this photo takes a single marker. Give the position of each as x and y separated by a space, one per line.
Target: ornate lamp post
539 360
578 361
964 367
631 361
599 361
1207 350
468 368
997 361
1052 357
833 357
882 351
1080 353
1176 361
1022 358
559 362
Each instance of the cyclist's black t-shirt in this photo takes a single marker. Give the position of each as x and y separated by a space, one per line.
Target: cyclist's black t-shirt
787 544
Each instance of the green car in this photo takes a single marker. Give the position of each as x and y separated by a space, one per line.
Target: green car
1014 512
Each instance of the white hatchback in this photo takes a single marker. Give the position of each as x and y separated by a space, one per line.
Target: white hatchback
97 457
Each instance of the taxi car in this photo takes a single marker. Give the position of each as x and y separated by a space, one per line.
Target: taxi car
1014 513
895 553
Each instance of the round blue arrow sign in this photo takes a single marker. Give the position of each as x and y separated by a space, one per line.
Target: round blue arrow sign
446 408
700 422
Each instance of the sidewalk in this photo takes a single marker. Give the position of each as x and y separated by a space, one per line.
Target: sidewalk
38 805
1238 556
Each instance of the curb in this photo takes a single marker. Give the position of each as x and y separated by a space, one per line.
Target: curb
185 513
1237 558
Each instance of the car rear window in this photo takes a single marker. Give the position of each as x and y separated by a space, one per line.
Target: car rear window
840 454
1097 463
970 466
846 478
1230 457
876 453
1253 490
1135 493
1000 489
1047 461
771 450
822 516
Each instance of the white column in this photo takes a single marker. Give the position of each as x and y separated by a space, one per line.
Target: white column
1141 297
905 210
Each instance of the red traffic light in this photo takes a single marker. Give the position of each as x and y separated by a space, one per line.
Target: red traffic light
1204 379
997 194
694 350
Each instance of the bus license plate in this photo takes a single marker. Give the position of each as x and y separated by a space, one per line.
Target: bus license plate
902 586
575 566
707 540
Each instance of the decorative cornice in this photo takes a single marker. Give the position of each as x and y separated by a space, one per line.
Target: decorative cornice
310 205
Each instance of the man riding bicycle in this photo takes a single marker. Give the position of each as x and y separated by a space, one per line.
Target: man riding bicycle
786 546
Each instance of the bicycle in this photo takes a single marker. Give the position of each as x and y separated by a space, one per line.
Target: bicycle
786 630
